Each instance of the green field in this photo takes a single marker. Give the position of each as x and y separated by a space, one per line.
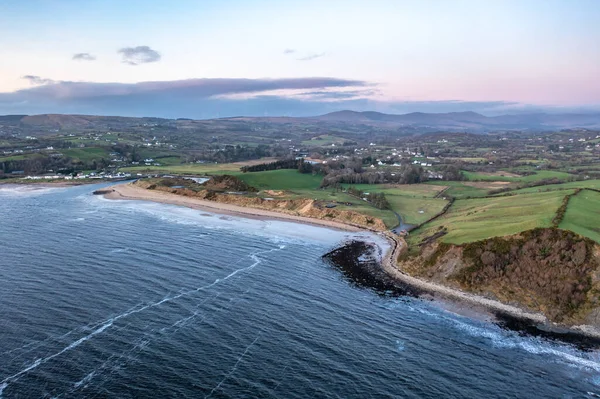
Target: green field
562 186
416 210
459 190
414 202
282 179
324 140
477 219
583 215
20 157
187 169
405 190
170 160
86 154
469 160
539 175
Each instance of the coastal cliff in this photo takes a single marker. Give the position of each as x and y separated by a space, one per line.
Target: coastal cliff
227 191
548 270
538 275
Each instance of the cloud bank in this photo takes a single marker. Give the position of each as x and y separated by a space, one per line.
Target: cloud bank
210 98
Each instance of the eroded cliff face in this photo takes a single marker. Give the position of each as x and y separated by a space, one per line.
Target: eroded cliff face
298 207
553 271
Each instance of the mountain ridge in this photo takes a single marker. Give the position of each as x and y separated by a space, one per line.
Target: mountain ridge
451 121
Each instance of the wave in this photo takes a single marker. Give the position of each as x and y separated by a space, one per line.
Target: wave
233 369
10 190
506 339
137 309
271 229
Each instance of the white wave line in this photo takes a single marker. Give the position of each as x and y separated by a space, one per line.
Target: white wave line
46 359
233 368
110 321
85 379
163 331
280 381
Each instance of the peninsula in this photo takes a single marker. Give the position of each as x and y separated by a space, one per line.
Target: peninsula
434 268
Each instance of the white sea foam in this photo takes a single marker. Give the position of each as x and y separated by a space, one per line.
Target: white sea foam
400 345
85 379
119 250
506 339
18 190
273 230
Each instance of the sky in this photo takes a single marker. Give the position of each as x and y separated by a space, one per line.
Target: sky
205 58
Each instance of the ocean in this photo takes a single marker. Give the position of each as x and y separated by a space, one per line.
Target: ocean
132 299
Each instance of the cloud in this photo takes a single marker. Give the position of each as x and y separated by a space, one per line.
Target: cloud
311 57
210 98
139 55
36 80
83 57
336 95
289 51
188 88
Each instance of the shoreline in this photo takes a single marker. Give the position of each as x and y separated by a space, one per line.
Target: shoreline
436 291
55 183
129 192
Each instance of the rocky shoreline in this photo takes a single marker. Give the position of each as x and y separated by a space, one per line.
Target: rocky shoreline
358 262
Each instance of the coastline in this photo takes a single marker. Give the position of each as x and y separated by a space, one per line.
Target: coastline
54 183
129 192
396 244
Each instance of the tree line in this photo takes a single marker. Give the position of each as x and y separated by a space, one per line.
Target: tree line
378 200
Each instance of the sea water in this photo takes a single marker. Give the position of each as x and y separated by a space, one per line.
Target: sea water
130 299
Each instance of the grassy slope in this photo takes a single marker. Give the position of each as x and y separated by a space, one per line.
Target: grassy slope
540 175
187 169
282 179
583 215
409 200
298 185
324 140
405 190
87 154
477 219
459 190
563 186
21 157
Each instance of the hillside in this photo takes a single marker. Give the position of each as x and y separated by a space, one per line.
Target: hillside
546 269
452 121
469 120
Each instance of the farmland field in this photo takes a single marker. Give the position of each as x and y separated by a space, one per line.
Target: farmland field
282 179
87 154
460 189
405 190
477 219
562 186
539 175
583 215
324 140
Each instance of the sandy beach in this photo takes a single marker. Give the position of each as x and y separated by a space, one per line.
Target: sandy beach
130 192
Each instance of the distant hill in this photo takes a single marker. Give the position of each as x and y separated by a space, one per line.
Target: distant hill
468 120
415 121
